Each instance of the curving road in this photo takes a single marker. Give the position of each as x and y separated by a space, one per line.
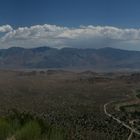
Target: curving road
121 122
130 136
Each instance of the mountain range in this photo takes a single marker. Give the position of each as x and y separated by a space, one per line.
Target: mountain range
70 58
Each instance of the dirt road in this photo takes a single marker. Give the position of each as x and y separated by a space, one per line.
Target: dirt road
121 122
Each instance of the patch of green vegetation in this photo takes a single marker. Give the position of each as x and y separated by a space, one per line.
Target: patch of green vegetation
30 131
5 129
24 126
131 108
138 95
56 133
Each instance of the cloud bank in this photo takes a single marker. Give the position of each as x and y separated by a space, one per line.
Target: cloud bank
59 37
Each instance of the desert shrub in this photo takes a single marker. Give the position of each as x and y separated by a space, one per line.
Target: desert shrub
30 131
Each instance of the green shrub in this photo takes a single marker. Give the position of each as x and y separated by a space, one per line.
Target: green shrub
56 134
30 131
5 129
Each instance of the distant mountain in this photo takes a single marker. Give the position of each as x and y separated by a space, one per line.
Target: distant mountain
46 57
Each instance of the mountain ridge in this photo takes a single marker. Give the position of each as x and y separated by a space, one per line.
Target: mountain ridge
47 57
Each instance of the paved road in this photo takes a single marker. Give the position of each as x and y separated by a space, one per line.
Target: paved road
120 122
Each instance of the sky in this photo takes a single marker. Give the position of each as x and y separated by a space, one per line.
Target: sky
70 23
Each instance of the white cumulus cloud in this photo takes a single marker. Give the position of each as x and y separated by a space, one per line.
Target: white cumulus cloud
80 37
5 28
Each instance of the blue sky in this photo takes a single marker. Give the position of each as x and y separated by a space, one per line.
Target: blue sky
70 23
119 13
